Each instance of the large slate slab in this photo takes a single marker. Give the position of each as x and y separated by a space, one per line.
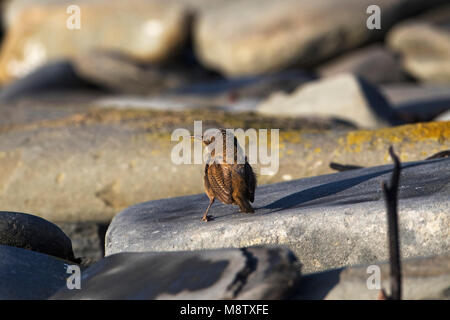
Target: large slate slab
34 233
26 274
247 273
328 221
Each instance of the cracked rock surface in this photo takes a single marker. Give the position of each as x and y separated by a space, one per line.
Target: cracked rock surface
247 273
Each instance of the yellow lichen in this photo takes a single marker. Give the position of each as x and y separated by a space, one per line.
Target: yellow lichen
433 131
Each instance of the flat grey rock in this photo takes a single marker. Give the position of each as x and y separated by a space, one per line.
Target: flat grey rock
248 273
34 233
423 278
26 274
328 221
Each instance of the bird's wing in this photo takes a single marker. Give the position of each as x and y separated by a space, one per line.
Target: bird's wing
219 178
251 181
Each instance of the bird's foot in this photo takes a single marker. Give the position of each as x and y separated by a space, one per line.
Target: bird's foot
206 218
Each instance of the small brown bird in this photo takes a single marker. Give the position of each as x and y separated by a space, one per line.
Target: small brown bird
232 182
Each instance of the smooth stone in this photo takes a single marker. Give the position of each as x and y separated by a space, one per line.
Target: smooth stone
150 31
345 97
30 232
424 278
248 37
374 63
328 221
424 43
248 273
25 274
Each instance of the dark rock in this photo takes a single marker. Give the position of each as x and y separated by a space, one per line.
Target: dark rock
328 221
49 78
248 273
417 103
444 116
213 93
375 64
25 274
88 240
30 232
250 86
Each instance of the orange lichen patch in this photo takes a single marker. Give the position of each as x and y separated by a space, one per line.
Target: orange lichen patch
433 131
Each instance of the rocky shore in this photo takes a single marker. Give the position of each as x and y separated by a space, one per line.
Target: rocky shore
87 115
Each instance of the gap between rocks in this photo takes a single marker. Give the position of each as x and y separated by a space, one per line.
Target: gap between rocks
251 263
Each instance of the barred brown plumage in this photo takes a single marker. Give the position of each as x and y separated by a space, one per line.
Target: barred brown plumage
231 182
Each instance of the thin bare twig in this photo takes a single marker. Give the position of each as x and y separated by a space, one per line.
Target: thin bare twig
391 198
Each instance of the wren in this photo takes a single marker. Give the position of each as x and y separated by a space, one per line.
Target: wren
232 182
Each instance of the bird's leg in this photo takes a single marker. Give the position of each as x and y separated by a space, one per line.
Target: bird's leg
205 216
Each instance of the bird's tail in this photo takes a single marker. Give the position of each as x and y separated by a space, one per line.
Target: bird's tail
244 205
